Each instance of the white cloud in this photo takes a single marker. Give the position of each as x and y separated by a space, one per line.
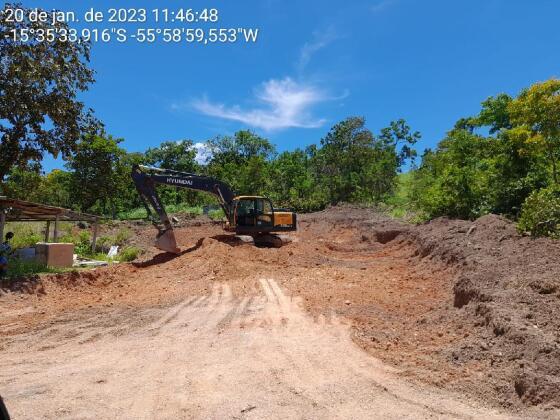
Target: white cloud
320 40
203 153
285 104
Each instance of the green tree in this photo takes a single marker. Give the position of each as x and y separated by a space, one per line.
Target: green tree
127 198
39 84
238 148
54 189
293 181
242 161
453 180
178 156
345 150
540 214
95 184
516 166
399 138
22 183
536 113
495 114
356 166
470 174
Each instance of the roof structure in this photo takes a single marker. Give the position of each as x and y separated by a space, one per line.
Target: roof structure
26 211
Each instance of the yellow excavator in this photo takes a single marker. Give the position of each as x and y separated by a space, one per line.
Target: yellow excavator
246 215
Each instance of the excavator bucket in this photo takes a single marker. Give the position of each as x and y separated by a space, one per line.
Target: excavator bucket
166 242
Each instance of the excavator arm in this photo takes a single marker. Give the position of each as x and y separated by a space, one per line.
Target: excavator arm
145 178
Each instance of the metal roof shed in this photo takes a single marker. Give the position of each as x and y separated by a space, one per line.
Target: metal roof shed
12 210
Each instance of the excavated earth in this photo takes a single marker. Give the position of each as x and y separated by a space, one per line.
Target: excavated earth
359 315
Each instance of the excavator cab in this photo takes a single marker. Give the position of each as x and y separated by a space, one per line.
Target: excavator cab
253 212
254 215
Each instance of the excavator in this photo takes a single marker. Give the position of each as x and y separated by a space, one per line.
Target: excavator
248 215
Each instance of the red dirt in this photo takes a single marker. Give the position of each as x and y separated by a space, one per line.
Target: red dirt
473 310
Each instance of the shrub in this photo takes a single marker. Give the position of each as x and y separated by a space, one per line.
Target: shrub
122 236
217 214
129 254
540 213
25 233
81 241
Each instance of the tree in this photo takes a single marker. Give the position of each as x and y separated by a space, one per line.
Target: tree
400 138
344 152
356 166
54 189
179 156
515 165
176 155
293 181
243 145
95 184
241 161
492 162
495 114
536 112
453 180
39 83
127 197
22 183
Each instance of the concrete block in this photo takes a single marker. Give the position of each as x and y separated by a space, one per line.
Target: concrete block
55 254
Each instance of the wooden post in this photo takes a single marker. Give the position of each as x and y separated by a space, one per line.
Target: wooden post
94 239
55 233
2 224
48 231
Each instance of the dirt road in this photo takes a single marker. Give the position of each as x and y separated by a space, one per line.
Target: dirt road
213 356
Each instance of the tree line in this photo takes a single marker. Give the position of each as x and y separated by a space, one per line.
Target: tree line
350 164
503 160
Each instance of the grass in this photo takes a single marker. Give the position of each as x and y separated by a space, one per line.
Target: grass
126 254
217 214
134 214
26 234
399 205
29 233
140 213
129 254
22 268
120 238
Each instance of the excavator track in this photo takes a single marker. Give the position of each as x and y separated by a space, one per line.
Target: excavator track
271 240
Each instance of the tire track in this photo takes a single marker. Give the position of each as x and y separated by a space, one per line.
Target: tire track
214 356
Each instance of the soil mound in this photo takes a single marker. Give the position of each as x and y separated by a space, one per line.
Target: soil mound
507 287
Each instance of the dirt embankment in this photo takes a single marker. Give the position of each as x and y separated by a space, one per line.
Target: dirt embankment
485 314
471 307
507 288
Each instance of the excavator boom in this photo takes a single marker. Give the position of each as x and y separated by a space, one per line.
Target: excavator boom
145 179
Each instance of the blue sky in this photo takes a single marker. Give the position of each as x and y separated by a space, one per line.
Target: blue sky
317 62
